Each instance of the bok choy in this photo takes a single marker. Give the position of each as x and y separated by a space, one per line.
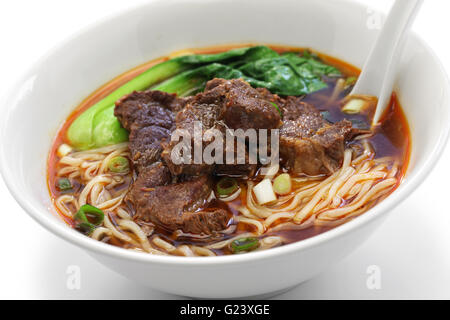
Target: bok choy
286 74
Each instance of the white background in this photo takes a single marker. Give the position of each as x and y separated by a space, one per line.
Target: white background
412 248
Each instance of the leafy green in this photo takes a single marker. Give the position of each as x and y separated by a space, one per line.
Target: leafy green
277 75
193 81
261 67
286 74
98 126
309 66
242 53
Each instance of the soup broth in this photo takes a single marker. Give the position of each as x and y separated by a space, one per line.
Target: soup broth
384 152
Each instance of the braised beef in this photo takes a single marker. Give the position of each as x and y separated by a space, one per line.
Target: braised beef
150 118
148 108
245 107
178 206
224 104
308 143
178 196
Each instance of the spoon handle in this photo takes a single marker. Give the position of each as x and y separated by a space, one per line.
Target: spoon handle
380 69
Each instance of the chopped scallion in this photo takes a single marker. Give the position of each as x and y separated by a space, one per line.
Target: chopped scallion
264 192
350 81
244 244
63 150
226 186
119 165
354 106
63 184
282 184
90 214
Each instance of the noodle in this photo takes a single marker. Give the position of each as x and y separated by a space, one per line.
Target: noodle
322 201
100 232
257 224
61 204
163 244
270 242
355 185
203 252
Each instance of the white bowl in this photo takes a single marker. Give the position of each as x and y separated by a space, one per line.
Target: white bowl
45 96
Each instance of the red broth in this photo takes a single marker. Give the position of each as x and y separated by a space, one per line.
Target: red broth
392 138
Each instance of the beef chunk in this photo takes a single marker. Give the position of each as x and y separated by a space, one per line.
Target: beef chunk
241 165
145 145
224 104
177 206
246 107
155 175
178 197
205 109
299 118
308 143
156 195
150 118
147 108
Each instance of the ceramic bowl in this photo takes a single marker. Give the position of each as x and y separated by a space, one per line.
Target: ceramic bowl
48 92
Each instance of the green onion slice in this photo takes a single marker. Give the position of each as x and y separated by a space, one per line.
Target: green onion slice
226 186
64 184
119 165
89 214
282 184
350 81
244 244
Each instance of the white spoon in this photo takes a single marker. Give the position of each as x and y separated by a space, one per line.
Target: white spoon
380 69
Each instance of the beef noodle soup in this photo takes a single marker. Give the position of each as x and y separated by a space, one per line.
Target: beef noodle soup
127 167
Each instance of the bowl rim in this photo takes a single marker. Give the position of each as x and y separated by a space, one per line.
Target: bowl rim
63 231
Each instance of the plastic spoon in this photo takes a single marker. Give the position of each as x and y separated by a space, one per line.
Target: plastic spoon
379 72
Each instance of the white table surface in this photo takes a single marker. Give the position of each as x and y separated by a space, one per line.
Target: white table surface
411 249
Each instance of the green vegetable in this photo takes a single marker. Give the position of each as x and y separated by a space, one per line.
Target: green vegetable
354 106
311 69
312 62
119 165
193 81
276 75
89 214
226 186
64 184
87 218
288 74
244 244
264 192
350 81
282 184
98 126
243 54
